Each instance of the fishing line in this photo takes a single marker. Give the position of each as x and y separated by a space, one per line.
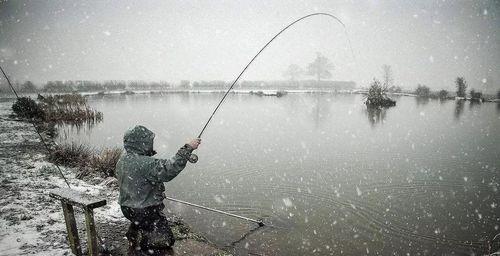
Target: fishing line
264 47
193 158
36 129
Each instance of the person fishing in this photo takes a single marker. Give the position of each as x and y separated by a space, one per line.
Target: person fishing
140 178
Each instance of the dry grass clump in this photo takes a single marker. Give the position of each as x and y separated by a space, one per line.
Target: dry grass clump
70 155
68 108
105 162
69 114
87 160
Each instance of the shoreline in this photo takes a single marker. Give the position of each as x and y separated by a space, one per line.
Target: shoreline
253 91
32 222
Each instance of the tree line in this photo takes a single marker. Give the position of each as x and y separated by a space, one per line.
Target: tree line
423 91
461 91
87 86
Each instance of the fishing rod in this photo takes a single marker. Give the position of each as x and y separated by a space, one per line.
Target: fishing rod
259 222
194 158
36 129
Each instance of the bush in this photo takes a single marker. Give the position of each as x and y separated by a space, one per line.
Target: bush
27 108
377 96
476 95
422 91
443 94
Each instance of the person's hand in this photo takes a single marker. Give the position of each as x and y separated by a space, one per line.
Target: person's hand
194 143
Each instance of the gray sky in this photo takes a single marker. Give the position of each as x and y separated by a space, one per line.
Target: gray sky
428 42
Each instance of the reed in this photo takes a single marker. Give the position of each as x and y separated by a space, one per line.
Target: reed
68 108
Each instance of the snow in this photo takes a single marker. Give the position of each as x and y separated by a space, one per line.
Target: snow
287 202
30 220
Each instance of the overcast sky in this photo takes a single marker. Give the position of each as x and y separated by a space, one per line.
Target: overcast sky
427 42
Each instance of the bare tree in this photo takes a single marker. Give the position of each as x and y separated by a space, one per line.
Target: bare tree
387 78
320 67
293 72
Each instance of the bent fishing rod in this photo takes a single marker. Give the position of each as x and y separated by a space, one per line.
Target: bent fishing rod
36 129
194 158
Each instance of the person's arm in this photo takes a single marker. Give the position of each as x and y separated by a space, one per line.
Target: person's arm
170 168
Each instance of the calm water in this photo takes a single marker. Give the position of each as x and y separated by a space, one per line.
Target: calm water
419 178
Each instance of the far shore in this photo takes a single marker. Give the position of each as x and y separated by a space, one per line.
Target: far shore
264 92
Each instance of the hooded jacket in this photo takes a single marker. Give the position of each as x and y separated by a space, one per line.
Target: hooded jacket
140 176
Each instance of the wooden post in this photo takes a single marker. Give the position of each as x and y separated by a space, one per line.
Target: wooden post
92 243
69 217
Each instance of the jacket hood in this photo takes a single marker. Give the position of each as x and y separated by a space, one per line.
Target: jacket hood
139 140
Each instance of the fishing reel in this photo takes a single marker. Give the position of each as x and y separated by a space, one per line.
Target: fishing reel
193 158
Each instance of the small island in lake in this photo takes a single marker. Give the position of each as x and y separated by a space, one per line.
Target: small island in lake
377 96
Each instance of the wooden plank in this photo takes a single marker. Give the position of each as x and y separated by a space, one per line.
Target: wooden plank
92 243
74 240
75 198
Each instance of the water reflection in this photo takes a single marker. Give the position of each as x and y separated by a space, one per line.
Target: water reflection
376 115
459 109
421 101
321 110
474 103
67 129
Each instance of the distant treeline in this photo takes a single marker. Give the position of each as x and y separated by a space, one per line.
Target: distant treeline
281 84
423 91
87 86
119 85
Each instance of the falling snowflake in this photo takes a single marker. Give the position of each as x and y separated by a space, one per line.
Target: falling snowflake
287 202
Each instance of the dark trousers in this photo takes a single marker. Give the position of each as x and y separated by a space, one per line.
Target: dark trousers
149 227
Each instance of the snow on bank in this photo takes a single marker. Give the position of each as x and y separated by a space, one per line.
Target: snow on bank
31 222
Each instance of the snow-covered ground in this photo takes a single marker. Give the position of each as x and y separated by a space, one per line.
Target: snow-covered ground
31 221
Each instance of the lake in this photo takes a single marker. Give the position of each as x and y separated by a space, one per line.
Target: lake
331 177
